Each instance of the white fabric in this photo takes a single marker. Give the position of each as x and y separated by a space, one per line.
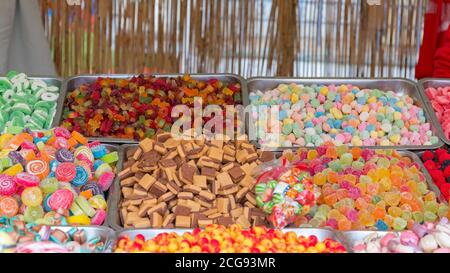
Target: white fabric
23 46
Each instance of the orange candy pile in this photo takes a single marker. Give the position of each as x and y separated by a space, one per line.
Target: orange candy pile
218 239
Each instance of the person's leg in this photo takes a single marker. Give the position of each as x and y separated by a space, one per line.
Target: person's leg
7 13
30 51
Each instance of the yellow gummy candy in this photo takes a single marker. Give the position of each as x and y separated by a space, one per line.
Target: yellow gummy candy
4 139
79 220
14 170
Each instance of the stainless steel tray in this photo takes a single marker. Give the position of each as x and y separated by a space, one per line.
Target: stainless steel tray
350 238
58 82
321 234
106 234
431 184
74 82
435 83
399 86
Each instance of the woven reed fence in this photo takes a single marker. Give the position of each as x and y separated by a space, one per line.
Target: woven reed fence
305 38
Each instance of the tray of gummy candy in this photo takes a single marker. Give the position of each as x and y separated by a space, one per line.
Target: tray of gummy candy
21 238
330 113
437 107
27 102
69 104
335 240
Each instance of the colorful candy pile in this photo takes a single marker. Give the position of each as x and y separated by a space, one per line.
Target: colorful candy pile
368 189
285 192
218 239
18 237
26 103
312 115
427 238
136 108
438 165
440 100
54 177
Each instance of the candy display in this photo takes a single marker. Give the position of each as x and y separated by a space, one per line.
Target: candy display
138 107
286 192
426 238
26 103
440 101
438 165
218 239
346 114
19 237
55 177
186 184
368 189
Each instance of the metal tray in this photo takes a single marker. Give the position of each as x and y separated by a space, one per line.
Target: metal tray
74 82
399 86
115 194
106 234
435 83
431 184
321 234
58 82
350 238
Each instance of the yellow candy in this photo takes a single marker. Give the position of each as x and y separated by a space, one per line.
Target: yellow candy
380 134
372 100
400 104
79 220
397 116
324 91
4 139
356 141
342 88
385 142
98 202
294 98
395 139
365 108
283 87
12 171
373 134
336 113
288 121
334 131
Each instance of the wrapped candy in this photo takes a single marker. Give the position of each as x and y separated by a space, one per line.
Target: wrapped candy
285 192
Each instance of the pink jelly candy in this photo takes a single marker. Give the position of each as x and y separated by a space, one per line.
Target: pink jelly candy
27 180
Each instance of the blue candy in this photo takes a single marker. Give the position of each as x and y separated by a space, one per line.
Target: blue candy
81 177
97 163
337 124
370 127
319 114
99 151
309 124
381 226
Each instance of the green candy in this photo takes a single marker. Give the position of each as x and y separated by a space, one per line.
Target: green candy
49 185
272 184
5 85
260 188
298 187
259 201
14 130
287 129
277 198
11 74
33 213
268 207
110 158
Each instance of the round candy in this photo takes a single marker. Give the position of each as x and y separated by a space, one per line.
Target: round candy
99 217
84 153
62 132
7 185
64 155
32 196
38 168
105 180
8 206
66 172
93 187
81 177
49 185
61 199
27 180
32 214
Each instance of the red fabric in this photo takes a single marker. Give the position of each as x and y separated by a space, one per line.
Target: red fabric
434 56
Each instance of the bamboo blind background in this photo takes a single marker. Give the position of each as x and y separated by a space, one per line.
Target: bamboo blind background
305 38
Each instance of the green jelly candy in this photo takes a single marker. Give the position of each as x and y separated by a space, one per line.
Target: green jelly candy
277 198
111 158
14 130
259 201
49 185
33 213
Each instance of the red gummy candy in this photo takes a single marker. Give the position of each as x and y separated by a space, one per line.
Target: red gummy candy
445 190
447 171
430 165
428 155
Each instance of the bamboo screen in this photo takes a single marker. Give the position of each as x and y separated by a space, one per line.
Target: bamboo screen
304 38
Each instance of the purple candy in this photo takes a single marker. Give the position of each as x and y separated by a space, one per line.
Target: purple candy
64 155
94 187
16 157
